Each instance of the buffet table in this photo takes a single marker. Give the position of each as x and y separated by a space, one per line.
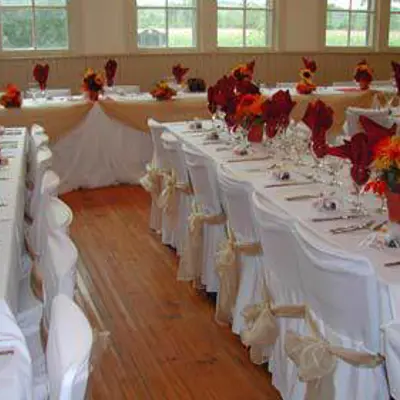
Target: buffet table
104 143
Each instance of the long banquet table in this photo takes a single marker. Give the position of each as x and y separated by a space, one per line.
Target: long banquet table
299 210
103 143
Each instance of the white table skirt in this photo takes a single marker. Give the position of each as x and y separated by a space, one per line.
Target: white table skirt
101 152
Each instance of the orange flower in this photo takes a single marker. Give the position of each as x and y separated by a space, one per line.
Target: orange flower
377 187
250 104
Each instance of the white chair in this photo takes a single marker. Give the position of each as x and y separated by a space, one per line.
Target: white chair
392 353
206 194
152 181
345 84
282 278
68 352
39 136
124 89
58 93
286 85
236 199
353 126
177 183
343 295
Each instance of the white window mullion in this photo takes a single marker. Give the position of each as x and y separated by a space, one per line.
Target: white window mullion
244 23
34 41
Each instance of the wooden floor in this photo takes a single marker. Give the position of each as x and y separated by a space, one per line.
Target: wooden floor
164 343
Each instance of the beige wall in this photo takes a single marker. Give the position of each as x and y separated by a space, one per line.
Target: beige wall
102 28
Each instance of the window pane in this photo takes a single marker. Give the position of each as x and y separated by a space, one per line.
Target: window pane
258 4
359 34
395 5
151 28
230 28
151 3
256 28
231 3
337 28
181 3
51 3
181 28
16 2
338 4
51 29
17 29
394 34
362 5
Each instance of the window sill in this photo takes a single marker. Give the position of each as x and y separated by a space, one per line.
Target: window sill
29 54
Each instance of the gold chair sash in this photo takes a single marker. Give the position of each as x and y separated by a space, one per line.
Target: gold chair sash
316 360
151 182
227 267
190 267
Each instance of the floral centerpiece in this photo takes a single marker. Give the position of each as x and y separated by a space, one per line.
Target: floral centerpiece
41 75
93 83
179 72
162 91
12 98
386 166
363 75
110 70
306 84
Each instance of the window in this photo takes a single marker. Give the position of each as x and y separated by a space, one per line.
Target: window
394 27
350 23
245 23
166 23
34 24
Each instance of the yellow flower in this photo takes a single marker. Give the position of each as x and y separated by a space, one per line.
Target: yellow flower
383 162
88 72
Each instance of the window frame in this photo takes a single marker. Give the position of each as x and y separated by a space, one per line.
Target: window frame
271 11
133 29
28 52
390 13
371 32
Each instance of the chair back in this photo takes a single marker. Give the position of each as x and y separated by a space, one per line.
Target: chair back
159 156
340 288
176 159
58 268
353 114
68 350
203 180
276 236
392 353
236 200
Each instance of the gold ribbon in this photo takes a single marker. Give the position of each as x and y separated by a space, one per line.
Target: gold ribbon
227 267
151 182
261 327
191 264
316 360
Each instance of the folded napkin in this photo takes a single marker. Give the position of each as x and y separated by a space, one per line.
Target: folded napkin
111 70
178 71
41 75
396 75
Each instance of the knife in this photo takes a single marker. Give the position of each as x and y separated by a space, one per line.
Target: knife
339 218
275 185
392 264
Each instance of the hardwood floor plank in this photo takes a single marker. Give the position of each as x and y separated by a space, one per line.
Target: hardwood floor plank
164 343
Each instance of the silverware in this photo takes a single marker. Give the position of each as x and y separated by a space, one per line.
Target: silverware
353 228
243 159
225 148
303 197
6 352
392 264
378 227
338 218
285 184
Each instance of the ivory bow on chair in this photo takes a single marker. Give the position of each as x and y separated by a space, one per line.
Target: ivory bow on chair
191 264
316 361
262 328
227 267
151 182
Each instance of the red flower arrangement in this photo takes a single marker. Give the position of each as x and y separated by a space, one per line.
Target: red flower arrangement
179 72
363 75
244 71
110 70
162 91
41 75
93 83
12 98
306 84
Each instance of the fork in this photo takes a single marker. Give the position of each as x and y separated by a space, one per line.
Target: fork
353 228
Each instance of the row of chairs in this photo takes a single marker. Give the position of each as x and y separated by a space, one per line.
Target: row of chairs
288 294
334 84
57 333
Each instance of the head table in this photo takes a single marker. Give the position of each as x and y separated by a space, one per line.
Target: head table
104 143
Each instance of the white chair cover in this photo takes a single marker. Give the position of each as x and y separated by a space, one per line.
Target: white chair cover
342 292
68 350
288 85
392 353
236 197
345 84
206 193
58 92
282 277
